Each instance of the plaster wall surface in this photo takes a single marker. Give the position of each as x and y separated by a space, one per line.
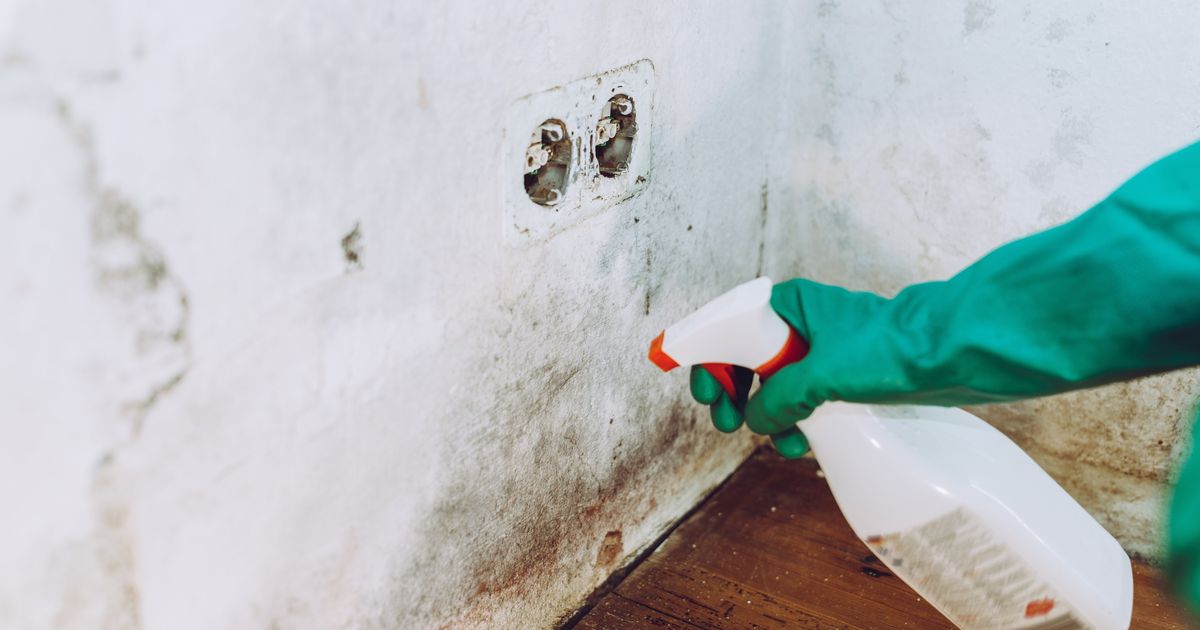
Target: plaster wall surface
268 361
928 134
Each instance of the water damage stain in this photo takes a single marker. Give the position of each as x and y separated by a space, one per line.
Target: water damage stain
550 501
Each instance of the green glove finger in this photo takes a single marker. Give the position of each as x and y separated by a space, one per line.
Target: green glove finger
705 388
782 401
790 443
725 415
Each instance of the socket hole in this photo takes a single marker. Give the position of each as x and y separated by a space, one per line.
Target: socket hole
614 135
548 163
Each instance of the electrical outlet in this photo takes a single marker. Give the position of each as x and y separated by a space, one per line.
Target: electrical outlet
575 150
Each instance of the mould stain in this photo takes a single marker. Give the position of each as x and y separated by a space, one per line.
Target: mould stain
1073 133
530 543
1058 30
977 16
529 492
352 249
649 273
131 273
1059 78
762 228
134 273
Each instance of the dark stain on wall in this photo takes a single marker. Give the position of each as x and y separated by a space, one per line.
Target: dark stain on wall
611 549
352 249
762 239
535 509
546 497
132 271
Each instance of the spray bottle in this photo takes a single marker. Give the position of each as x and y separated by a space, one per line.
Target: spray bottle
946 501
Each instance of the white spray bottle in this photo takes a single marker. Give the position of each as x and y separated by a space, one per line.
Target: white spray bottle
945 500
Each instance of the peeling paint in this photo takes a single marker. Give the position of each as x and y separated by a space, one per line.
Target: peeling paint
611 549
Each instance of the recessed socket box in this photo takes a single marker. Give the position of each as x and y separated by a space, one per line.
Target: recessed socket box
575 150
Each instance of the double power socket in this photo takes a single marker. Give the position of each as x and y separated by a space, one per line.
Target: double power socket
575 150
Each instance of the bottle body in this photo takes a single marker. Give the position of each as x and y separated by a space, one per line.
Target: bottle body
948 502
967 519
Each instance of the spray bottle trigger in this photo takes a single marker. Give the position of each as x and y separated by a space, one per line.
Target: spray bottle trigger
723 372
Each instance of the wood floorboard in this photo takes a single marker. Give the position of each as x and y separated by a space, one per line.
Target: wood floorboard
771 550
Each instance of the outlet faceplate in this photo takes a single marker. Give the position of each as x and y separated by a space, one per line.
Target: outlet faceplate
612 110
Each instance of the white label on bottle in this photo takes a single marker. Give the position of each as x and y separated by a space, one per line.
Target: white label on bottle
977 582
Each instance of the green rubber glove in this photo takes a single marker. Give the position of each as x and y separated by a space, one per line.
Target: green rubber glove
727 415
1111 295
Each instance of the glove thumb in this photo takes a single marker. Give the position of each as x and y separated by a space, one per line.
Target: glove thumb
787 398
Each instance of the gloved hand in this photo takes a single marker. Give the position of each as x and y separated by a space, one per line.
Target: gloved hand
727 415
1111 295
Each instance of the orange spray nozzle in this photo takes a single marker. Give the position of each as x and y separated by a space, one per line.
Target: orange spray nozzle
660 358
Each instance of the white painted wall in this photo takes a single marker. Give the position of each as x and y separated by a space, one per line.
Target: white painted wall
211 418
216 421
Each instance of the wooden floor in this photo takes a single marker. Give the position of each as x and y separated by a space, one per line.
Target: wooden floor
770 549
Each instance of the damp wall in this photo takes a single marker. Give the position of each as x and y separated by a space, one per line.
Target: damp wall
284 349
